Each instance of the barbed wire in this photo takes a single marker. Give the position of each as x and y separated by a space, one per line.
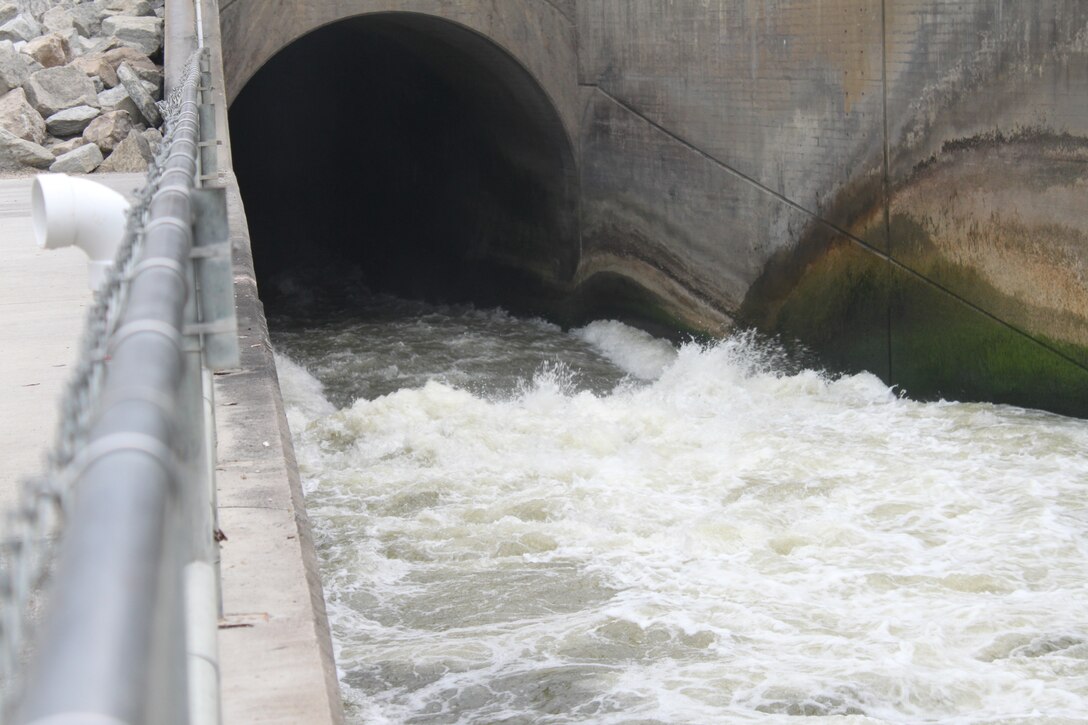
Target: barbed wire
35 525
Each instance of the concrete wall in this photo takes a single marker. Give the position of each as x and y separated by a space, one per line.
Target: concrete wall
722 130
899 184
538 33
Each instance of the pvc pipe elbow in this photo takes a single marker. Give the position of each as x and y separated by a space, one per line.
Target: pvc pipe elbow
69 211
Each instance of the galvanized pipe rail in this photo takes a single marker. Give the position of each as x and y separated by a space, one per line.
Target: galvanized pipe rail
133 601
131 631
100 654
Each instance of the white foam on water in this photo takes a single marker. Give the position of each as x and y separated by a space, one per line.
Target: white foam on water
724 544
635 352
303 394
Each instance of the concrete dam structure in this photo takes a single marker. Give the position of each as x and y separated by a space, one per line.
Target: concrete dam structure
900 185
512 518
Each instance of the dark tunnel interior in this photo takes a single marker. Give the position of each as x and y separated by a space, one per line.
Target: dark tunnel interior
408 155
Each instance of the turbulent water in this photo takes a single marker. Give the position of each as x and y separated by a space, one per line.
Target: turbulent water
519 524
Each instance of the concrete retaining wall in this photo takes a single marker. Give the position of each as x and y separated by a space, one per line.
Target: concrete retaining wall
899 184
538 33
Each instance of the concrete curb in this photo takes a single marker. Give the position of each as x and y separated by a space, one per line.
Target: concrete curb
277 661
276 655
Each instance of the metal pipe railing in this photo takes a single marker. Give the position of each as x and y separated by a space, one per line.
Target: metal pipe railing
113 646
132 601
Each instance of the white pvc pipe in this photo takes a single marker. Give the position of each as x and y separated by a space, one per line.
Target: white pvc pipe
71 211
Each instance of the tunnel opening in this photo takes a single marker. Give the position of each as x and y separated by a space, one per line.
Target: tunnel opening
405 154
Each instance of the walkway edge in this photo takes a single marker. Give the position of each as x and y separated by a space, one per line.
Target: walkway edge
276 650
277 662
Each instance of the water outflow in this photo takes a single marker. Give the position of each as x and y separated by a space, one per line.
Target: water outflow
519 524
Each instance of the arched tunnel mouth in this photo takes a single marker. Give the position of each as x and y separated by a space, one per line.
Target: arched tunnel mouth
404 154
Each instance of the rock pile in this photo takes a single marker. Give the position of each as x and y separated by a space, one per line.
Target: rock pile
79 83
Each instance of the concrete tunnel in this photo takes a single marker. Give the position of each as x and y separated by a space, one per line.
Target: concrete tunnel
410 155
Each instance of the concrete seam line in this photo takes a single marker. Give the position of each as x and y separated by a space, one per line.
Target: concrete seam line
886 180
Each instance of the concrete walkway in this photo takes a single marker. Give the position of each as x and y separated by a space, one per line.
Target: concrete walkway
43 303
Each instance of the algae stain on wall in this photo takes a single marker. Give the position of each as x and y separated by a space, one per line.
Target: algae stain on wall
983 294
995 228
1001 221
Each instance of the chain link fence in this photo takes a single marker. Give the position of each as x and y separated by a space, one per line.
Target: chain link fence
34 528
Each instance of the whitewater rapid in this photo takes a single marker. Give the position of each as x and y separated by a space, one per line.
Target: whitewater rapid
521 524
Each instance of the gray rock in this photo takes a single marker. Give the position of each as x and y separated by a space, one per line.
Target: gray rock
153 89
100 45
75 41
83 46
36 8
144 34
108 130
152 75
132 154
87 20
13 70
137 61
8 11
32 66
57 20
118 99
71 121
81 160
16 153
139 94
55 89
50 50
62 147
21 27
96 65
125 7
154 139
19 117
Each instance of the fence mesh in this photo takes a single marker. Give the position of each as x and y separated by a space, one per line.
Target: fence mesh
35 525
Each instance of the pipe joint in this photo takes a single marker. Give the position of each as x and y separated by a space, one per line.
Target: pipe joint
69 211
